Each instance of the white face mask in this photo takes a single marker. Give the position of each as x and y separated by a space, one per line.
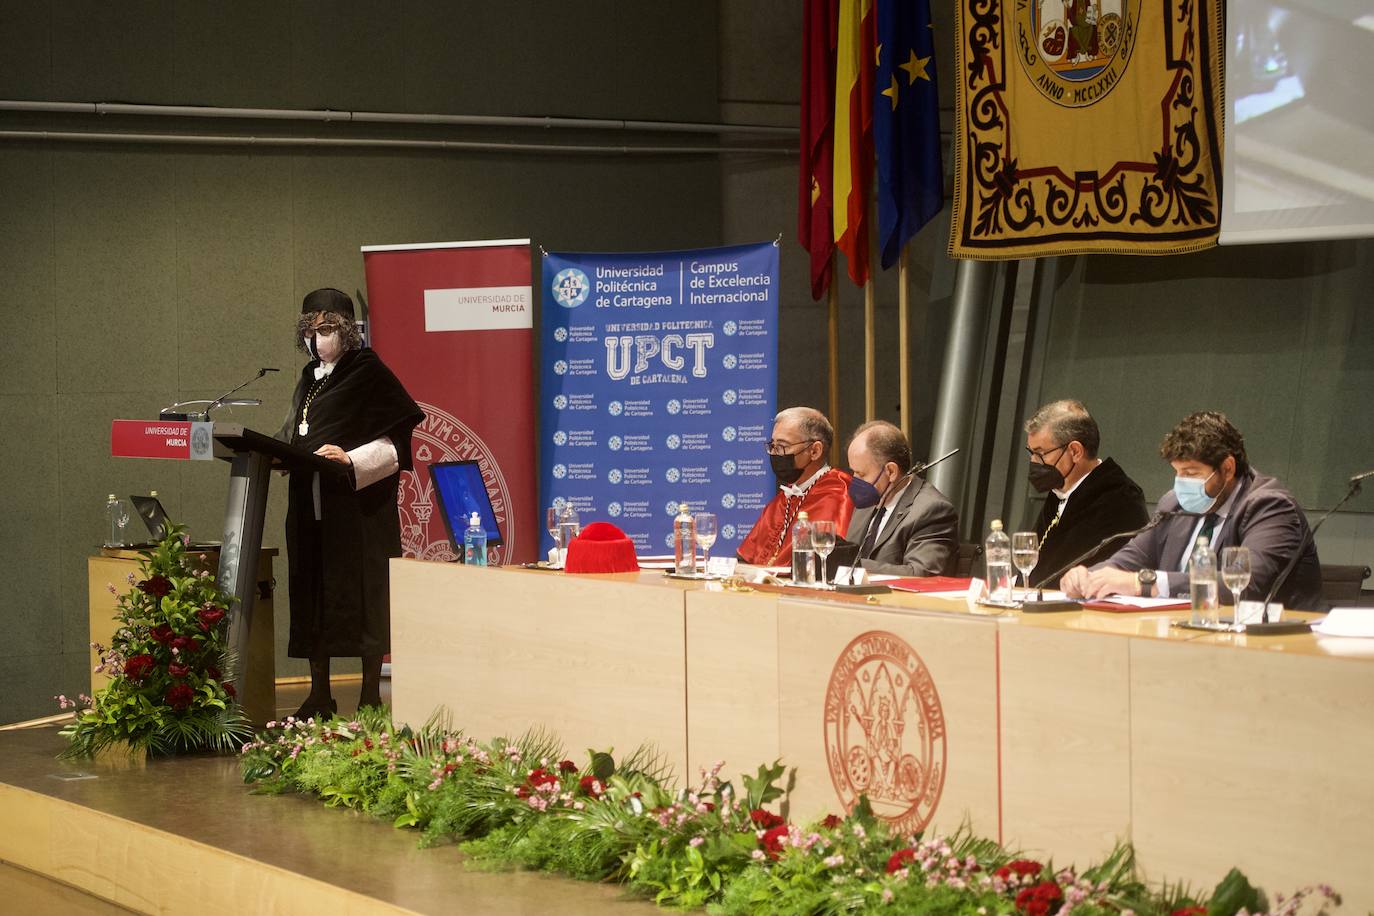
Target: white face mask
327 347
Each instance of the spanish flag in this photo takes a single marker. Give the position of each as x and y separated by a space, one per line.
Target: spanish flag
853 166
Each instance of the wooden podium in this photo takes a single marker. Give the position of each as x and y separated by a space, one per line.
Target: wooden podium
252 456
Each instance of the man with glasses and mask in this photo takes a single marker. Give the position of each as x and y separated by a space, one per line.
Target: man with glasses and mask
1087 499
797 452
902 524
1232 504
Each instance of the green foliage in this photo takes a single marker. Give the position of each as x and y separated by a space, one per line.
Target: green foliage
171 670
516 804
1235 893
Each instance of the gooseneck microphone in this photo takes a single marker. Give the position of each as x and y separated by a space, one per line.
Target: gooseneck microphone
1041 606
175 412
1308 538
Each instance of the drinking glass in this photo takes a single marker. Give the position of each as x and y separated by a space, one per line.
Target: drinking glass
823 540
706 534
551 524
1025 553
1235 570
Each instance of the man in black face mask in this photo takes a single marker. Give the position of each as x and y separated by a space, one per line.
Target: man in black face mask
902 524
806 483
1087 498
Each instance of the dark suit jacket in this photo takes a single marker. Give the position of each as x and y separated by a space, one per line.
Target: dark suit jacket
1265 518
920 539
1106 502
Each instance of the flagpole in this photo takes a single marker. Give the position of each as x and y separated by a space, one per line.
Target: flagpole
903 341
870 379
832 299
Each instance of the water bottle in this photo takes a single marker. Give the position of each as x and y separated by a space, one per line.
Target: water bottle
569 527
1202 583
997 551
803 552
117 513
684 542
475 542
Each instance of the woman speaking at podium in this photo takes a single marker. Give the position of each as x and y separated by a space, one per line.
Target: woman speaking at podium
342 531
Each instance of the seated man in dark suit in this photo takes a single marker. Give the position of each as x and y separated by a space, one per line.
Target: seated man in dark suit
1088 498
902 524
1241 506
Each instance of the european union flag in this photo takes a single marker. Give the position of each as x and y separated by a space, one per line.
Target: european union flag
906 124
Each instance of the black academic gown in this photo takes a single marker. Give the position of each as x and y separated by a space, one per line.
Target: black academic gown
1106 502
339 563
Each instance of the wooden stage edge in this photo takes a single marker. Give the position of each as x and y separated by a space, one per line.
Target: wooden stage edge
184 834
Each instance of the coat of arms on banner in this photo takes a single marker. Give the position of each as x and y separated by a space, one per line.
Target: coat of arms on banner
1087 126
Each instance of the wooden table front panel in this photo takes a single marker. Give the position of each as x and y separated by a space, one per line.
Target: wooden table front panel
831 662
732 680
1256 759
598 660
1066 766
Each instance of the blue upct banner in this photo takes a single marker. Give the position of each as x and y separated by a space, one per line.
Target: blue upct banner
658 386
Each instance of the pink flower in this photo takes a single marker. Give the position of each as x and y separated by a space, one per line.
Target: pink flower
696 841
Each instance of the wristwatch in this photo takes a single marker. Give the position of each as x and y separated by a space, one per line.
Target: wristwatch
1146 579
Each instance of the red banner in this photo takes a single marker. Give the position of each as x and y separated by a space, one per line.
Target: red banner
177 439
454 321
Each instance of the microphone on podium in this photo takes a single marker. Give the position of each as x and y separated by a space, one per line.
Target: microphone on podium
1310 536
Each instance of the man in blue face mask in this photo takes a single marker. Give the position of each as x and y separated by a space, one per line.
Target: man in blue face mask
1237 506
902 524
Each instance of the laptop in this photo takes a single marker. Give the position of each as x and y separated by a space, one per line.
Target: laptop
460 491
149 508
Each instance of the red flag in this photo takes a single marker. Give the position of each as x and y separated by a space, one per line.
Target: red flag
853 167
815 202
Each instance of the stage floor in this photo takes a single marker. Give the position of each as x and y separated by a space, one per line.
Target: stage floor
253 837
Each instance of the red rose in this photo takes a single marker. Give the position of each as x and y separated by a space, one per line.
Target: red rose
176 670
765 819
540 777
229 689
832 821
592 786
137 668
710 806
179 696
1190 911
1020 868
157 586
161 633
771 843
208 617
212 673
1041 899
900 859
186 644
567 766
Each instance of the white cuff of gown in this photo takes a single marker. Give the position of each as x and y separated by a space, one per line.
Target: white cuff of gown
373 462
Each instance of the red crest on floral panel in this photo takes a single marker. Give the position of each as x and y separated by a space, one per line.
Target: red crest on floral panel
885 731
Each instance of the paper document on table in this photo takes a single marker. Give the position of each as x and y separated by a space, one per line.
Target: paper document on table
1144 604
1347 621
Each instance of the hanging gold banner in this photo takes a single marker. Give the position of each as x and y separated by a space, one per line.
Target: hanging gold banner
1087 126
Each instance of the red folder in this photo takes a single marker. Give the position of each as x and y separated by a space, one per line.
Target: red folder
930 584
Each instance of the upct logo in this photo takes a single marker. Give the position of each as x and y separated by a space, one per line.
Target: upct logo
570 287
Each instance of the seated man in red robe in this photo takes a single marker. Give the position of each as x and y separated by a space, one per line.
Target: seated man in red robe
806 483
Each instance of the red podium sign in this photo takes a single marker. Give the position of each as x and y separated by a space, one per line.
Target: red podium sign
176 439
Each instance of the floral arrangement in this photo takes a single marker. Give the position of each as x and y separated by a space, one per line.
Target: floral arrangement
522 803
168 661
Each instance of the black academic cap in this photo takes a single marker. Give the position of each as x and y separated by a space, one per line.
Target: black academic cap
328 300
